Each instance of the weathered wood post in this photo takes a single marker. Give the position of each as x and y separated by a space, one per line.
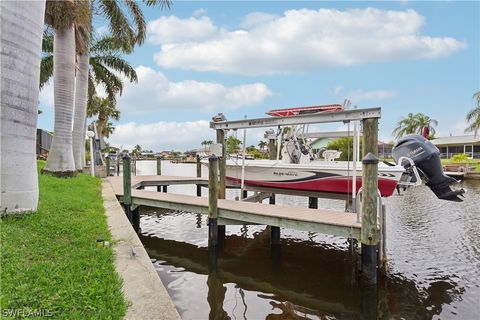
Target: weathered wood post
199 174
134 166
118 165
159 171
159 166
107 163
271 199
212 201
313 203
222 186
369 233
127 186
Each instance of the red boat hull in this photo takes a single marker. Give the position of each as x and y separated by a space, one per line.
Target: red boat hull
336 184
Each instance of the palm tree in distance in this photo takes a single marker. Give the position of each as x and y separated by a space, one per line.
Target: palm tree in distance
104 109
262 145
414 123
473 116
20 40
137 150
206 143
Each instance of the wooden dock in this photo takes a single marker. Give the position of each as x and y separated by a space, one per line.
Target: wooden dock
239 212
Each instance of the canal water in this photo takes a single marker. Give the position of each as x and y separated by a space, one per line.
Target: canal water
433 262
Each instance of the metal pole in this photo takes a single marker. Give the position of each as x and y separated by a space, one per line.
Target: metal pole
212 201
92 157
127 186
222 163
355 159
242 185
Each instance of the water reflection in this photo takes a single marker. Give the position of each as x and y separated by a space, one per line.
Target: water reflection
304 281
433 251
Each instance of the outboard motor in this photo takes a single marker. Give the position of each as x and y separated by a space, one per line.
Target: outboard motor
426 158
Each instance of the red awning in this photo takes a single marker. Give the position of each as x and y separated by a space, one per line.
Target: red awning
302 110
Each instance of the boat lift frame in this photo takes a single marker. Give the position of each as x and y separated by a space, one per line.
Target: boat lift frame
369 118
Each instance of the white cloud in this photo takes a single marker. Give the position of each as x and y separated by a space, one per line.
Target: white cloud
155 92
199 12
172 29
298 41
181 135
359 95
257 18
46 97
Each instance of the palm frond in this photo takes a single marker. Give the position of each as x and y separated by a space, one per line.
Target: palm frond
117 64
120 27
164 4
139 20
46 70
113 84
47 42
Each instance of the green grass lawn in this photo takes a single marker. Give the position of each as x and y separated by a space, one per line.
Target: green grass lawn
50 260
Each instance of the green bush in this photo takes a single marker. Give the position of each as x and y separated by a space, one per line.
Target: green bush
460 158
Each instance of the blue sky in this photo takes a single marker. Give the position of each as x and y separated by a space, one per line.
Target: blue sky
244 58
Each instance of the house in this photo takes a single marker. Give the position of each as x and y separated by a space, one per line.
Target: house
44 142
452 145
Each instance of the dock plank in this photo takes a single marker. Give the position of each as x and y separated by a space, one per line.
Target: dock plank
316 220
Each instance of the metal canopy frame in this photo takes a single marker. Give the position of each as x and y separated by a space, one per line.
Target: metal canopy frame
325 117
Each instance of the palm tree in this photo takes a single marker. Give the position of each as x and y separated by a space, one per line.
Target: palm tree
414 123
206 143
262 145
104 67
108 129
19 76
424 121
473 116
61 16
105 109
137 150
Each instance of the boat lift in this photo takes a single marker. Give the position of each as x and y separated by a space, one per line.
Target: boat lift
346 116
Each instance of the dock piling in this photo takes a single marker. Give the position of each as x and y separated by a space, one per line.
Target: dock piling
127 186
274 235
222 185
118 165
213 201
199 174
313 203
107 162
159 171
369 232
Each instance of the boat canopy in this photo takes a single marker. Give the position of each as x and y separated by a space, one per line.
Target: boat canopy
303 110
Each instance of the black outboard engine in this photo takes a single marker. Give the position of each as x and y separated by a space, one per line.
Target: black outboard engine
426 158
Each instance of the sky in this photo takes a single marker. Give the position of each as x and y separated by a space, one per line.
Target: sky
245 58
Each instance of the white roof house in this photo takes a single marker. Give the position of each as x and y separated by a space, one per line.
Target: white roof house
452 145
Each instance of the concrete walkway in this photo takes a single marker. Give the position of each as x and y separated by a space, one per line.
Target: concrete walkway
142 287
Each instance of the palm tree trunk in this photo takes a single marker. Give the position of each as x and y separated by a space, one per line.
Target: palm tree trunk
81 96
20 47
60 159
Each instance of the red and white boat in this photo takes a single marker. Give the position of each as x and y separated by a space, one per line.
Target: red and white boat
317 176
297 169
